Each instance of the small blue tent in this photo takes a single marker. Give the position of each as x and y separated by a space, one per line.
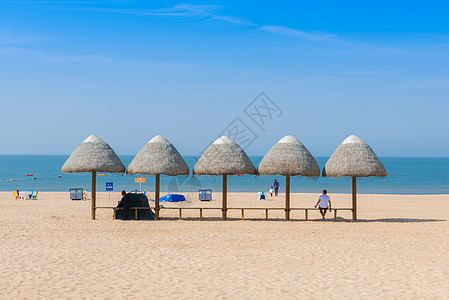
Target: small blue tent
173 198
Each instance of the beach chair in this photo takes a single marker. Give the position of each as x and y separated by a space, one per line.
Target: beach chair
16 195
33 195
262 195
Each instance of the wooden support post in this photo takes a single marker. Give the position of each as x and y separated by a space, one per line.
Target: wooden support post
201 213
157 195
225 199
243 214
354 198
136 213
287 197
307 214
94 195
335 215
180 213
266 214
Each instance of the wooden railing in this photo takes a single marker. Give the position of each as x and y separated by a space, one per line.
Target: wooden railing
242 209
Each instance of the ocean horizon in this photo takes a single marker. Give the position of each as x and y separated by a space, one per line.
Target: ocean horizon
406 175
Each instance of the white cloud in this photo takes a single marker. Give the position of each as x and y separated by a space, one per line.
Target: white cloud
9 51
12 52
16 38
84 58
313 36
211 12
184 11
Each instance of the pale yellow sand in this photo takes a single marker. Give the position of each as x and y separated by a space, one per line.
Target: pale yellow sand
50 249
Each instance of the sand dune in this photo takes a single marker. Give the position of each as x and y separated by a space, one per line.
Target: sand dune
399 249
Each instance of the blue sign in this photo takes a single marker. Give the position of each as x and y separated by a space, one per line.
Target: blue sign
109 186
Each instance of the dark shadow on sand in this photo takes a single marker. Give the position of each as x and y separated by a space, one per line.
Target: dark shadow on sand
400 220
230 219
386 220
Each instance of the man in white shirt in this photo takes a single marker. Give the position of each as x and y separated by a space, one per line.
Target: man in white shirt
325 203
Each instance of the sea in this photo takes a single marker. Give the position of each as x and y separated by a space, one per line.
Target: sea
406 175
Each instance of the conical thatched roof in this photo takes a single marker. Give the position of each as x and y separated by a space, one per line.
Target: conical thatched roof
224 156
289 157
158 156
93 154
354 158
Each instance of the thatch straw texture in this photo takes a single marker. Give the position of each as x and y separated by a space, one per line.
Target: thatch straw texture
158 156
354 158
224 156
289 157
93 154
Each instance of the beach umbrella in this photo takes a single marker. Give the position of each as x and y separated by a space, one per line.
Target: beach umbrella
354 158
158 157
224 157
93 155
288 157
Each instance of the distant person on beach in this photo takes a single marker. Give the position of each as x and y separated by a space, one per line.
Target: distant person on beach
271 192
324 202
125 203
276 187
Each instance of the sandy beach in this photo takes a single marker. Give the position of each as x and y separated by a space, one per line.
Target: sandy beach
397 250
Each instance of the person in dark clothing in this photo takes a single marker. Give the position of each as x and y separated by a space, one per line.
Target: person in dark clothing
276 187
126 204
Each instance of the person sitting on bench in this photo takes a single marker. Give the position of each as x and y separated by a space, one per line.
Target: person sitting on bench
125 203
325 203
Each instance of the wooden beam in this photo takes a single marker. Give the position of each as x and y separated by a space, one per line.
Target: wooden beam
225 197
157 195
354 198
287 197
94 195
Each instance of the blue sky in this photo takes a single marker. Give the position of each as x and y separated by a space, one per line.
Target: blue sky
128 70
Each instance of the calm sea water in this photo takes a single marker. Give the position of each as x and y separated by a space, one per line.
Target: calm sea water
405 176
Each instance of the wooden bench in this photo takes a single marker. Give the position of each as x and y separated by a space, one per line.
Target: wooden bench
136 209
242 209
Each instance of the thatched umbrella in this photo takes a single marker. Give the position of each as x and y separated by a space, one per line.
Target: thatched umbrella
224 157
158 157
93 155
354 158
288 157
